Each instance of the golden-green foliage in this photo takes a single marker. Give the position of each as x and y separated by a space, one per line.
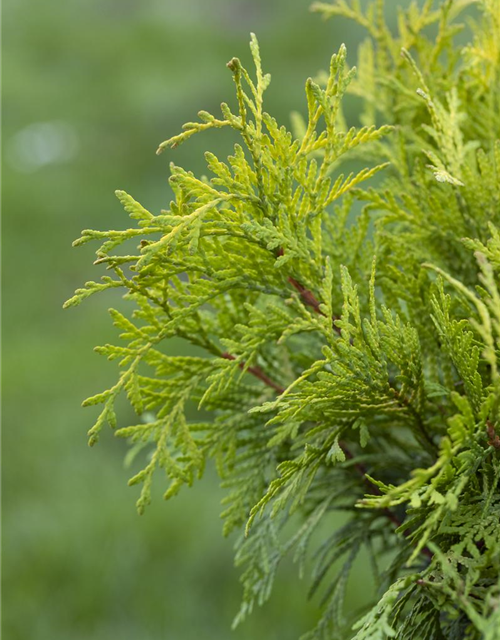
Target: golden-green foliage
348 327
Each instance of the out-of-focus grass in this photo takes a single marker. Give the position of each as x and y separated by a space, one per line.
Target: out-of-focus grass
89 90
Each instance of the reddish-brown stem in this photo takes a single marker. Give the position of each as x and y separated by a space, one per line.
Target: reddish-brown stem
308 296
493 439
257 372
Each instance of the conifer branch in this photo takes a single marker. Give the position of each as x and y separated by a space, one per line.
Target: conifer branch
407 342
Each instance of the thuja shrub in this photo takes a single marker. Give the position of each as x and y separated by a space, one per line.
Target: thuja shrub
348 327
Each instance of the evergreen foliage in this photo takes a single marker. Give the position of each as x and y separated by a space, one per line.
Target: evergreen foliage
348 327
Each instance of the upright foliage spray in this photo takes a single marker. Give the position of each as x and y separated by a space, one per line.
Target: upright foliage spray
347 326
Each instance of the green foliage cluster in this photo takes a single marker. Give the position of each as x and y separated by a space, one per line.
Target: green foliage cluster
348 327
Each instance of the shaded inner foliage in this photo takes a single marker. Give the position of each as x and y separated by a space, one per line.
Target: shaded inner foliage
348 326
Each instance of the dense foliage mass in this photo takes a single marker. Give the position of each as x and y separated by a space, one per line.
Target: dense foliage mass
348 326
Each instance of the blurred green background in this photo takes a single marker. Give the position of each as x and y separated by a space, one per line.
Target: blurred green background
89 90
